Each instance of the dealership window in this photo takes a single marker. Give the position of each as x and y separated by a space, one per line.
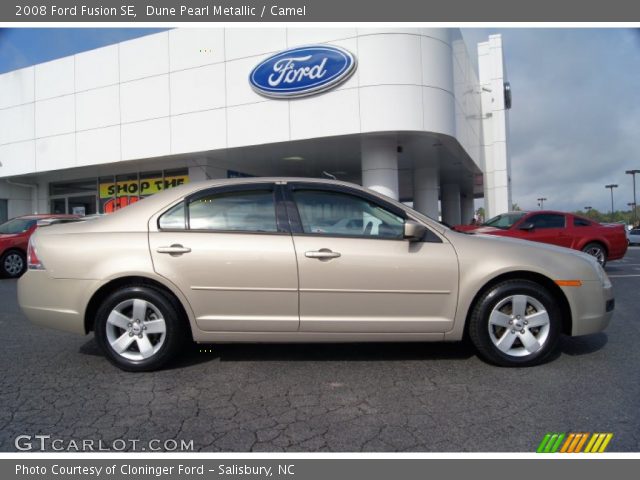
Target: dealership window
77 197
4 210
339 214
110 193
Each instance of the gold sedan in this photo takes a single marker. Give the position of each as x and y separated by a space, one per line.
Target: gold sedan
302 260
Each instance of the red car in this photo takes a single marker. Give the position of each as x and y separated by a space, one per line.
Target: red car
14 238
603 241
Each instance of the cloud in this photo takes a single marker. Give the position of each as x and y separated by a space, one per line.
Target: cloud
575 115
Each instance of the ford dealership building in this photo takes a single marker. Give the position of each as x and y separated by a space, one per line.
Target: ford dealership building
402 111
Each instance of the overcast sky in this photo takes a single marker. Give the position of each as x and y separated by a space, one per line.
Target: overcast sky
575 121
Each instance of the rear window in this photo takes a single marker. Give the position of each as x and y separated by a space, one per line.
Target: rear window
17 225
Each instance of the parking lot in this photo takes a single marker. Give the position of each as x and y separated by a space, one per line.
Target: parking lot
368 397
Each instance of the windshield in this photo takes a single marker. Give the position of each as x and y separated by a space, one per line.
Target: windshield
504 221
17 225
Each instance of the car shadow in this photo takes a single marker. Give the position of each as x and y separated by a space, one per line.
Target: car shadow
195 354
583 345
324 352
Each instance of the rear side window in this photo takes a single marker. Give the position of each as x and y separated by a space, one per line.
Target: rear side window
581 222
547 220
173 219
243 211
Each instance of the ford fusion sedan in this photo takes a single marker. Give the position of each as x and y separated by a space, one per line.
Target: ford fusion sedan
14 238
302 260
603 241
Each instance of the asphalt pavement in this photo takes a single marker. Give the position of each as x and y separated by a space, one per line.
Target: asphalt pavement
338 398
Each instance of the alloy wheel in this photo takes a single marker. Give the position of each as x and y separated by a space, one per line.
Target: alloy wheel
136 329
519 325
13 264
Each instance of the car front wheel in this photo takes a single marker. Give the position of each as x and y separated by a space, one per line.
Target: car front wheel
13 264
515 324
139 328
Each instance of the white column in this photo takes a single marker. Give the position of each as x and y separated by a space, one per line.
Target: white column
466 207
425 191
495 127
380 165
451 203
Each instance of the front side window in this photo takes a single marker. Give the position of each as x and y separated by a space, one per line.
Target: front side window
340 214
547 220
246 211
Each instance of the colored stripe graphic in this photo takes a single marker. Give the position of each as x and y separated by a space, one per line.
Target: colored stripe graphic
598 442
550 443
574 442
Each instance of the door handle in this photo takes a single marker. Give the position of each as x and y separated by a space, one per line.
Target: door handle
321 254
174 250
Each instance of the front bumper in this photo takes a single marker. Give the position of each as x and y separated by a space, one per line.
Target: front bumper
591 305
54 302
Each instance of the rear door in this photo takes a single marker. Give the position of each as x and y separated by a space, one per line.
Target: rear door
232 256
358 274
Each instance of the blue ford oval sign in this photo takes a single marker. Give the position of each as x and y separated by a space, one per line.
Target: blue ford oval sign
303 71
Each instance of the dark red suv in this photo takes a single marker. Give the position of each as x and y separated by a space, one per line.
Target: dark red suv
14 238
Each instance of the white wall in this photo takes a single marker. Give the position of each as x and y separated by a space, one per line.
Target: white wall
496 168
186 90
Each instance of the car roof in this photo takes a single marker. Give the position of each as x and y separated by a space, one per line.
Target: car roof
136 216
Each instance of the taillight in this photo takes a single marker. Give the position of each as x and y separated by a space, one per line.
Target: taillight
33 262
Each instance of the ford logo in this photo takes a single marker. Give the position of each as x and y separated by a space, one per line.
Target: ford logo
302 71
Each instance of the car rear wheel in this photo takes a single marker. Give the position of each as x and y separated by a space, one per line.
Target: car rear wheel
13 264
139 328
598 251
515 324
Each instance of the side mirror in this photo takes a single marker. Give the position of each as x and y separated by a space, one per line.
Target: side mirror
527 226
414 231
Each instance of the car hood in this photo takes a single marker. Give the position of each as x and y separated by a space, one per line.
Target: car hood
505 254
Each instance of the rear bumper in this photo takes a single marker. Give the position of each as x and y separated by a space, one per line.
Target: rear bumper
592 307
54 303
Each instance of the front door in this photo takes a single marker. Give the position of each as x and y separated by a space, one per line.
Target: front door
231 258
358 274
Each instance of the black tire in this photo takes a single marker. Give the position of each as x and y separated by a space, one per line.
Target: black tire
13 264
598 251
484 334
158 305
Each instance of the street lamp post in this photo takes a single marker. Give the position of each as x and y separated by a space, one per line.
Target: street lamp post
611 186
633 175
541 201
